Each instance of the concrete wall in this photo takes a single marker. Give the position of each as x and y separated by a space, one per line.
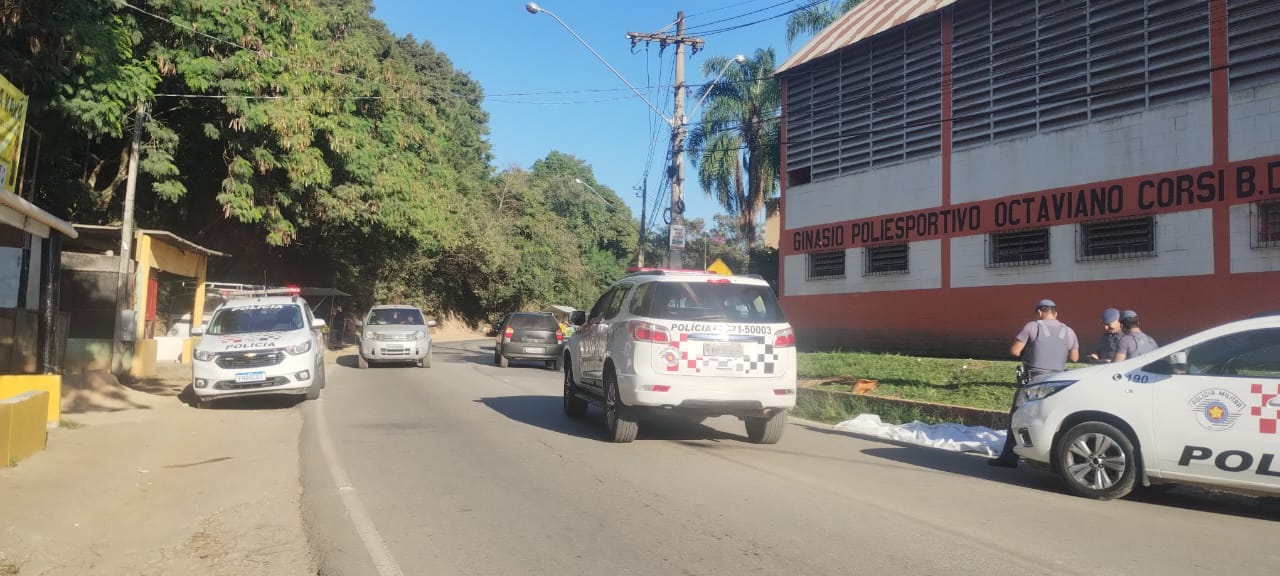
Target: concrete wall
924 260
898 188
1254 116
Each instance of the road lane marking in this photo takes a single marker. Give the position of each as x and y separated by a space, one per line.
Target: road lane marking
373 542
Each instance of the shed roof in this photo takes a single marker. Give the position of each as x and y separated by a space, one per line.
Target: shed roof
91 232
866 20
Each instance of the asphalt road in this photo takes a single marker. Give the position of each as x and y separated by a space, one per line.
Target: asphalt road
466 468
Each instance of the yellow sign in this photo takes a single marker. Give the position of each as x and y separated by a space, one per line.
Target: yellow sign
719 267
13 117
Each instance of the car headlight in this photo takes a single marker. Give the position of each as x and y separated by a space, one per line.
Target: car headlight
419 334
370 335
296 349
1044 389
204 355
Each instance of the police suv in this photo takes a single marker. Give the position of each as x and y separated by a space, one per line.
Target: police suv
686 342
259 342
1202 410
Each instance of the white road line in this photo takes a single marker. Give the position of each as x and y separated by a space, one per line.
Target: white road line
373 543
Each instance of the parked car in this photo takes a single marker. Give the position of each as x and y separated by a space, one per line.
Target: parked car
693 343
1202 410
395 333
529 336
259 342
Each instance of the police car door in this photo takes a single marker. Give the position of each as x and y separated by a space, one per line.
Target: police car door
1216 409
589 349
604 330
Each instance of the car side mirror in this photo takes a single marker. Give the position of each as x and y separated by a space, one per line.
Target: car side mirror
431 323
578 318
197 331
317 323
1178 362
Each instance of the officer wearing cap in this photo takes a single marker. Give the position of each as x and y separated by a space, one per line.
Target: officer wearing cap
1134 342
1111 333
1044 345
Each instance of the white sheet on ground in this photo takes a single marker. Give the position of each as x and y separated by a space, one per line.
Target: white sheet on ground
953 437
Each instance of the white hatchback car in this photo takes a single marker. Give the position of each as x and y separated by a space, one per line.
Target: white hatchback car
693 343
1202 410
259 342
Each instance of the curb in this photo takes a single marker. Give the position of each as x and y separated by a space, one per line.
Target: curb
855 404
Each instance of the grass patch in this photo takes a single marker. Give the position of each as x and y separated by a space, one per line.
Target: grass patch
67 424
8 568
985 384
835 408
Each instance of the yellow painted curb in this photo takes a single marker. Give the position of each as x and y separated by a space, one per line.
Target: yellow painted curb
13 385
22 426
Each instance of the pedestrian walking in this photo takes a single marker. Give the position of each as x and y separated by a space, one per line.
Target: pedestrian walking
337 328
1044 345
1110 340
1134 342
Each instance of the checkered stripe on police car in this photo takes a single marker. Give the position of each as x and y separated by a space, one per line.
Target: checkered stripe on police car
745 364
1268 415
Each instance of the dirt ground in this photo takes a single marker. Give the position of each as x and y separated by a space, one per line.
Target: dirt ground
138 482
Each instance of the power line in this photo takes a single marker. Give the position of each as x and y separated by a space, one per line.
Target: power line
762 20
743 15
722 8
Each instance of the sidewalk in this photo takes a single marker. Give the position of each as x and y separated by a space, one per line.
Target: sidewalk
152 486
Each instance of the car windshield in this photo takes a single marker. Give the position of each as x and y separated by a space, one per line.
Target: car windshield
395 316
534 322
263 318
714 301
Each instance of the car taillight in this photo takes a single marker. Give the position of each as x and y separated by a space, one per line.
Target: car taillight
784 338
559 336
642 331
508 334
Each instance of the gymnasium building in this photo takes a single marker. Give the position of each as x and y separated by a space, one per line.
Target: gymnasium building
948 163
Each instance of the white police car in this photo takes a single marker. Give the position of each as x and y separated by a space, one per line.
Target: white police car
1202 410
261 342
694 343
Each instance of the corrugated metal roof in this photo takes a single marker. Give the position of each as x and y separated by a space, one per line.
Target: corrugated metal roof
866 20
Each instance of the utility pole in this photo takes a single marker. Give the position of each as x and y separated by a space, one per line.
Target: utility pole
126 245
644 213
678 125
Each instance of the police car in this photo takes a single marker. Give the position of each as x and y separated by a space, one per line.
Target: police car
259 342
1203 410
693 343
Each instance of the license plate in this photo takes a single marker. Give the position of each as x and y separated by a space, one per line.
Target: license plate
722 349
242 377
528 350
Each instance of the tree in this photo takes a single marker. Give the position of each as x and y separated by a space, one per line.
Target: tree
814 18
735 145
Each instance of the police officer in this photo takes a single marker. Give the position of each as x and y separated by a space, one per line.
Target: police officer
1045 345
1134 342
1111 333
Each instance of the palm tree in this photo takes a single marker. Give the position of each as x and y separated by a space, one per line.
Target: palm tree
737 137
815 17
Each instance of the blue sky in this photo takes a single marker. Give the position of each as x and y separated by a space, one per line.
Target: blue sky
517 57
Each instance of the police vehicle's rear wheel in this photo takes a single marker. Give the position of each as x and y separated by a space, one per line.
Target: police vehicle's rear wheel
766 430
574 407
621 428
1097 461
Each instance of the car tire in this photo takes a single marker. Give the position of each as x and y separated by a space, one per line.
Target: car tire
204 403
500 360
313 393
574 407
1096 460
766 430
426 360
361 362
553 364
324 378
621 426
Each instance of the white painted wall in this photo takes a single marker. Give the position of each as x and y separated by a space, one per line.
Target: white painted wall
1255 122
1184 247
1243 257
924 259
1162 139
914 185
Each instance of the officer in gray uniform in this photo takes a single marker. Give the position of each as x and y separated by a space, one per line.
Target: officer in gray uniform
1112 330
1134 342
1045 345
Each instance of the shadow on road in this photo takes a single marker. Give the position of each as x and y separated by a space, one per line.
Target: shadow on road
349 361
547 412
1186 497
265 402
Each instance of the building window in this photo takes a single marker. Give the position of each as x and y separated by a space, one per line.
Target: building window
1265 220
1116 239
881 260
826 265
1018 248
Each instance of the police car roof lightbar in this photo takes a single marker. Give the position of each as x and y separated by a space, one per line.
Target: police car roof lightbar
286 291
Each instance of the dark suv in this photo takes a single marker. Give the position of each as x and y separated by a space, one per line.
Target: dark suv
529 336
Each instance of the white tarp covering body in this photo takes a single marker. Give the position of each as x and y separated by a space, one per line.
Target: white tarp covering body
953 437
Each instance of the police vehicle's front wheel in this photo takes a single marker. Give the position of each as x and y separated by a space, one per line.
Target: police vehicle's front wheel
1096 460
